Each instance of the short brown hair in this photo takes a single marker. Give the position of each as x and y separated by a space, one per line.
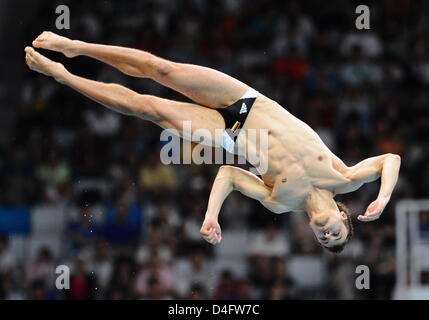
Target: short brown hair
348 223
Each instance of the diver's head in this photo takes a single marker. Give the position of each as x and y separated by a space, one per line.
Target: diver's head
330 221
337 231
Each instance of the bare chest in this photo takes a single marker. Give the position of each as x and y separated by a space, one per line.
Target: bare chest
290 187
295 181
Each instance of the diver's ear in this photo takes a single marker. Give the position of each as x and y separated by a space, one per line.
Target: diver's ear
343 215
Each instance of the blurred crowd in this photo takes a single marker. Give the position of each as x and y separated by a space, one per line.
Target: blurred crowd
132 224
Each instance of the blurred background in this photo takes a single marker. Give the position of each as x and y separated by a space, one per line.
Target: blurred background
82 186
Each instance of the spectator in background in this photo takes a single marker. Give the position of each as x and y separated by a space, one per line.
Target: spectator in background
225 286
164 217
102 122
88 155
155 291
358 71
83 285
271 242
422 69
424 224
122 283
302 241
53 172
341 287
156 177
368 43
103 126
7 265
119 232
155 273
196 269
236 211
192 223
382 262
129 192
260 272
102 264
281 284
243 290
154 246
42 268
18 184
196 292
279 290
390 142
37 290
7 259
266 246
55 175
84 231
293 66
279 270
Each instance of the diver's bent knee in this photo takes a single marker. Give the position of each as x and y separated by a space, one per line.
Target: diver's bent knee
165 68
226 169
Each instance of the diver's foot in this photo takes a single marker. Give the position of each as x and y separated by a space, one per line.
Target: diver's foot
40 63
51 41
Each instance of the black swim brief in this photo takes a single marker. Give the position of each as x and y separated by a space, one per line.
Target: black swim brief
235 116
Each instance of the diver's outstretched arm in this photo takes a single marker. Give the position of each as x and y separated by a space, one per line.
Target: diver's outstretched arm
385 166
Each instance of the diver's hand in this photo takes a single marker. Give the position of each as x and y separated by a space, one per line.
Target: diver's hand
210 231
374 210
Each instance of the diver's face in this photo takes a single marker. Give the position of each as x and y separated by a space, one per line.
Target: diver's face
329 228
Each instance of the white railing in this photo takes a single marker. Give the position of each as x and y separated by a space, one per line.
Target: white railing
409 245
